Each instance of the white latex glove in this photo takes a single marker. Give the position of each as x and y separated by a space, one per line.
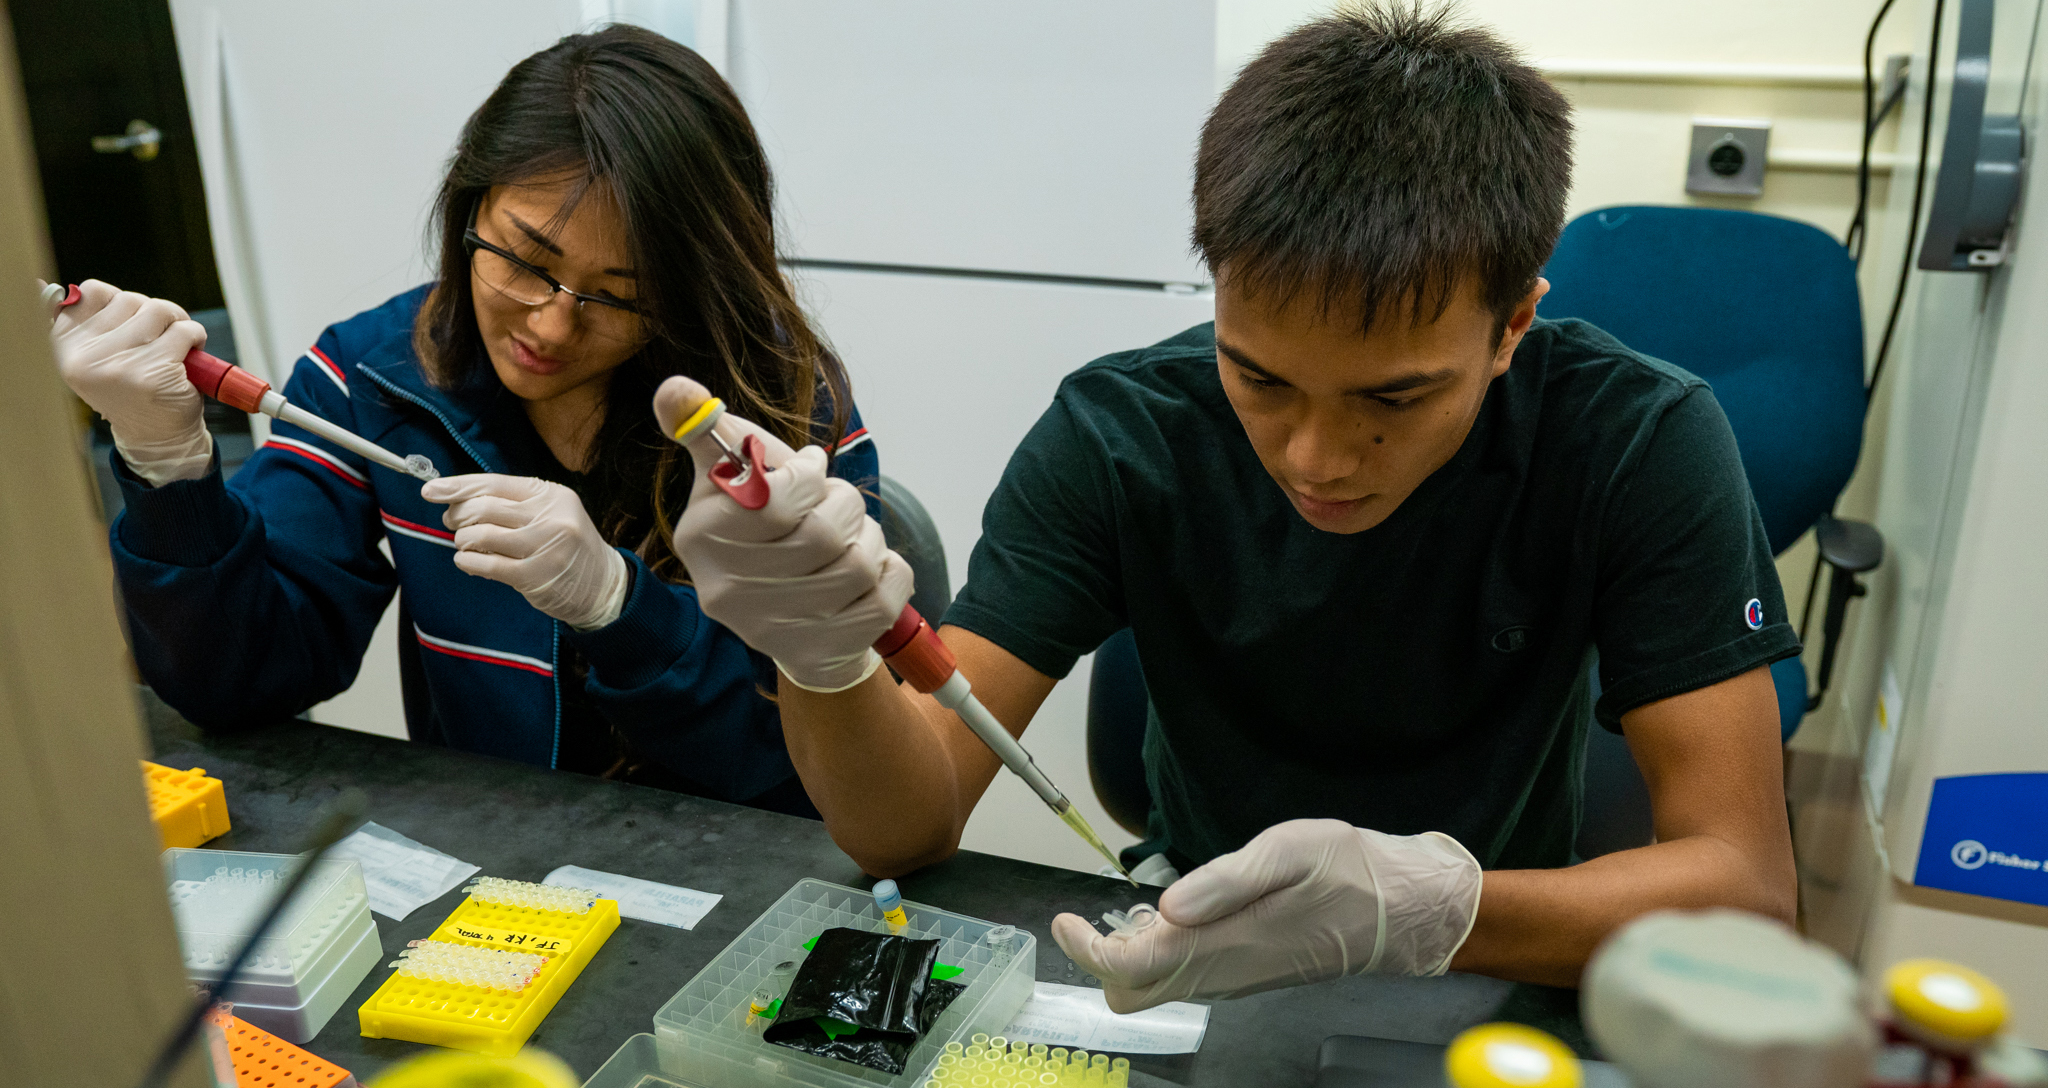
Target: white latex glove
124 354
1306 900
535 537
806 579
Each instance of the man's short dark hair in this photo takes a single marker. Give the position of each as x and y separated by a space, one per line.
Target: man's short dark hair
1377 157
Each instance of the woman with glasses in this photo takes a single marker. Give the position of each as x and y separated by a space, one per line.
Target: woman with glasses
605 223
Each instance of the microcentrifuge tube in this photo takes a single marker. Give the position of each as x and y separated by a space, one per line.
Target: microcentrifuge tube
889 900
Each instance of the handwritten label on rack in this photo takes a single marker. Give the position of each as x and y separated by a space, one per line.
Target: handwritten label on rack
512 939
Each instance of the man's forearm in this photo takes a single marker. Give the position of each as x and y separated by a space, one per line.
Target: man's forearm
1541 925
872 762
895 774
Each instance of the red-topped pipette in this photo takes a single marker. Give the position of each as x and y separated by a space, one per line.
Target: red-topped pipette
909 646
237 388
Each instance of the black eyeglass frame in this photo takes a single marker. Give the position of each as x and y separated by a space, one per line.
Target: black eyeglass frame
472 241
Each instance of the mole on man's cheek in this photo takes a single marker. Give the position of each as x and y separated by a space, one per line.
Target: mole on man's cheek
1378 438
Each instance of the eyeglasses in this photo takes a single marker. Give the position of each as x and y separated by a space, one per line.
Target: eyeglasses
612 318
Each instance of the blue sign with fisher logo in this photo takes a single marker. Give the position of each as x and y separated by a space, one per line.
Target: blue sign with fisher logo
1987 834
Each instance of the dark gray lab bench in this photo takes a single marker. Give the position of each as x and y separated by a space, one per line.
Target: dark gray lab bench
521 822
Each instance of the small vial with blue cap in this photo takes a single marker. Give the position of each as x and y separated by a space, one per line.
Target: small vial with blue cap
889 899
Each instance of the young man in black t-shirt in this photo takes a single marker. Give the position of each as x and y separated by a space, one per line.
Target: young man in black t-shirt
1369 530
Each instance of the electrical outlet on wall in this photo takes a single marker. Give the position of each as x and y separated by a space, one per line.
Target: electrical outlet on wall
1727 156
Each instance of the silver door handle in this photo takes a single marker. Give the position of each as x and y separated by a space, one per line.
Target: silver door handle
141 141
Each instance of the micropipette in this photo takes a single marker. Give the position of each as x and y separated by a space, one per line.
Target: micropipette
237 388
910 646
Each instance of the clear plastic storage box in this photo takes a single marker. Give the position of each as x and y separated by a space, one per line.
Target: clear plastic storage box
637 1064
318 950
706 1037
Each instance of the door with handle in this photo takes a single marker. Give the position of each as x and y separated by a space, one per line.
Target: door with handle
113 142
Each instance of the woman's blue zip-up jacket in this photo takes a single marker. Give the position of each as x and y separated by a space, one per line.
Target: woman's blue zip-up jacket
252 600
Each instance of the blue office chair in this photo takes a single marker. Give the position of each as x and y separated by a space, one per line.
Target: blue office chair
1766 310
1118 704
909 530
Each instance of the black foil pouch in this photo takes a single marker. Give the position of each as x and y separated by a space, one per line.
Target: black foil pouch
876 1050
859 997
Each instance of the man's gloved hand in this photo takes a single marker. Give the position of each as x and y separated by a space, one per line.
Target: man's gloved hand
535 537
124 354
1306 900
806 579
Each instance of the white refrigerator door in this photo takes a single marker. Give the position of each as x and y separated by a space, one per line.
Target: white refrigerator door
950 372
323 130
1055 137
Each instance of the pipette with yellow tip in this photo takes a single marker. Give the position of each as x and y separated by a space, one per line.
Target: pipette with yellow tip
909 646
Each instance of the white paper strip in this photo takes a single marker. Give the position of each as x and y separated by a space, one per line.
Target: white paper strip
1078 1016
664 904
402 875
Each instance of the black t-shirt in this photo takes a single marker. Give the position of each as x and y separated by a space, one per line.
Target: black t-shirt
1429 674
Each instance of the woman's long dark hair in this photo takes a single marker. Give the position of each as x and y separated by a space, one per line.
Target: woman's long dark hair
659 128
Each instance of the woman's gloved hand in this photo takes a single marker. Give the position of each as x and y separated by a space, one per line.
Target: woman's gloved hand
124 354
806 579
1306 900
535 537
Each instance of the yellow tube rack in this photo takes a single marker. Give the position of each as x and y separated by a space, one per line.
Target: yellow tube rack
188 807
491 1022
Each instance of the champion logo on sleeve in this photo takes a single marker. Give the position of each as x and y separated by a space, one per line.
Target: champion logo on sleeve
1753 614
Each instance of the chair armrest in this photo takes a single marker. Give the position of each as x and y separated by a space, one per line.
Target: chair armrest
1849 546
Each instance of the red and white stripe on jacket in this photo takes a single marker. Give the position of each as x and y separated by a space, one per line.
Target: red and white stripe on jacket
326 366
483 654
417 531
319 457
851 440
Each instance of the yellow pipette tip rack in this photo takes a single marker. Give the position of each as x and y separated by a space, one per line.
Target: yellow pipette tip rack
504 915
987 1061
1510 1056
1945 1004
188 807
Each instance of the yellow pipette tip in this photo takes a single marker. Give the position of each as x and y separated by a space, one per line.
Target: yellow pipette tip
1072 817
